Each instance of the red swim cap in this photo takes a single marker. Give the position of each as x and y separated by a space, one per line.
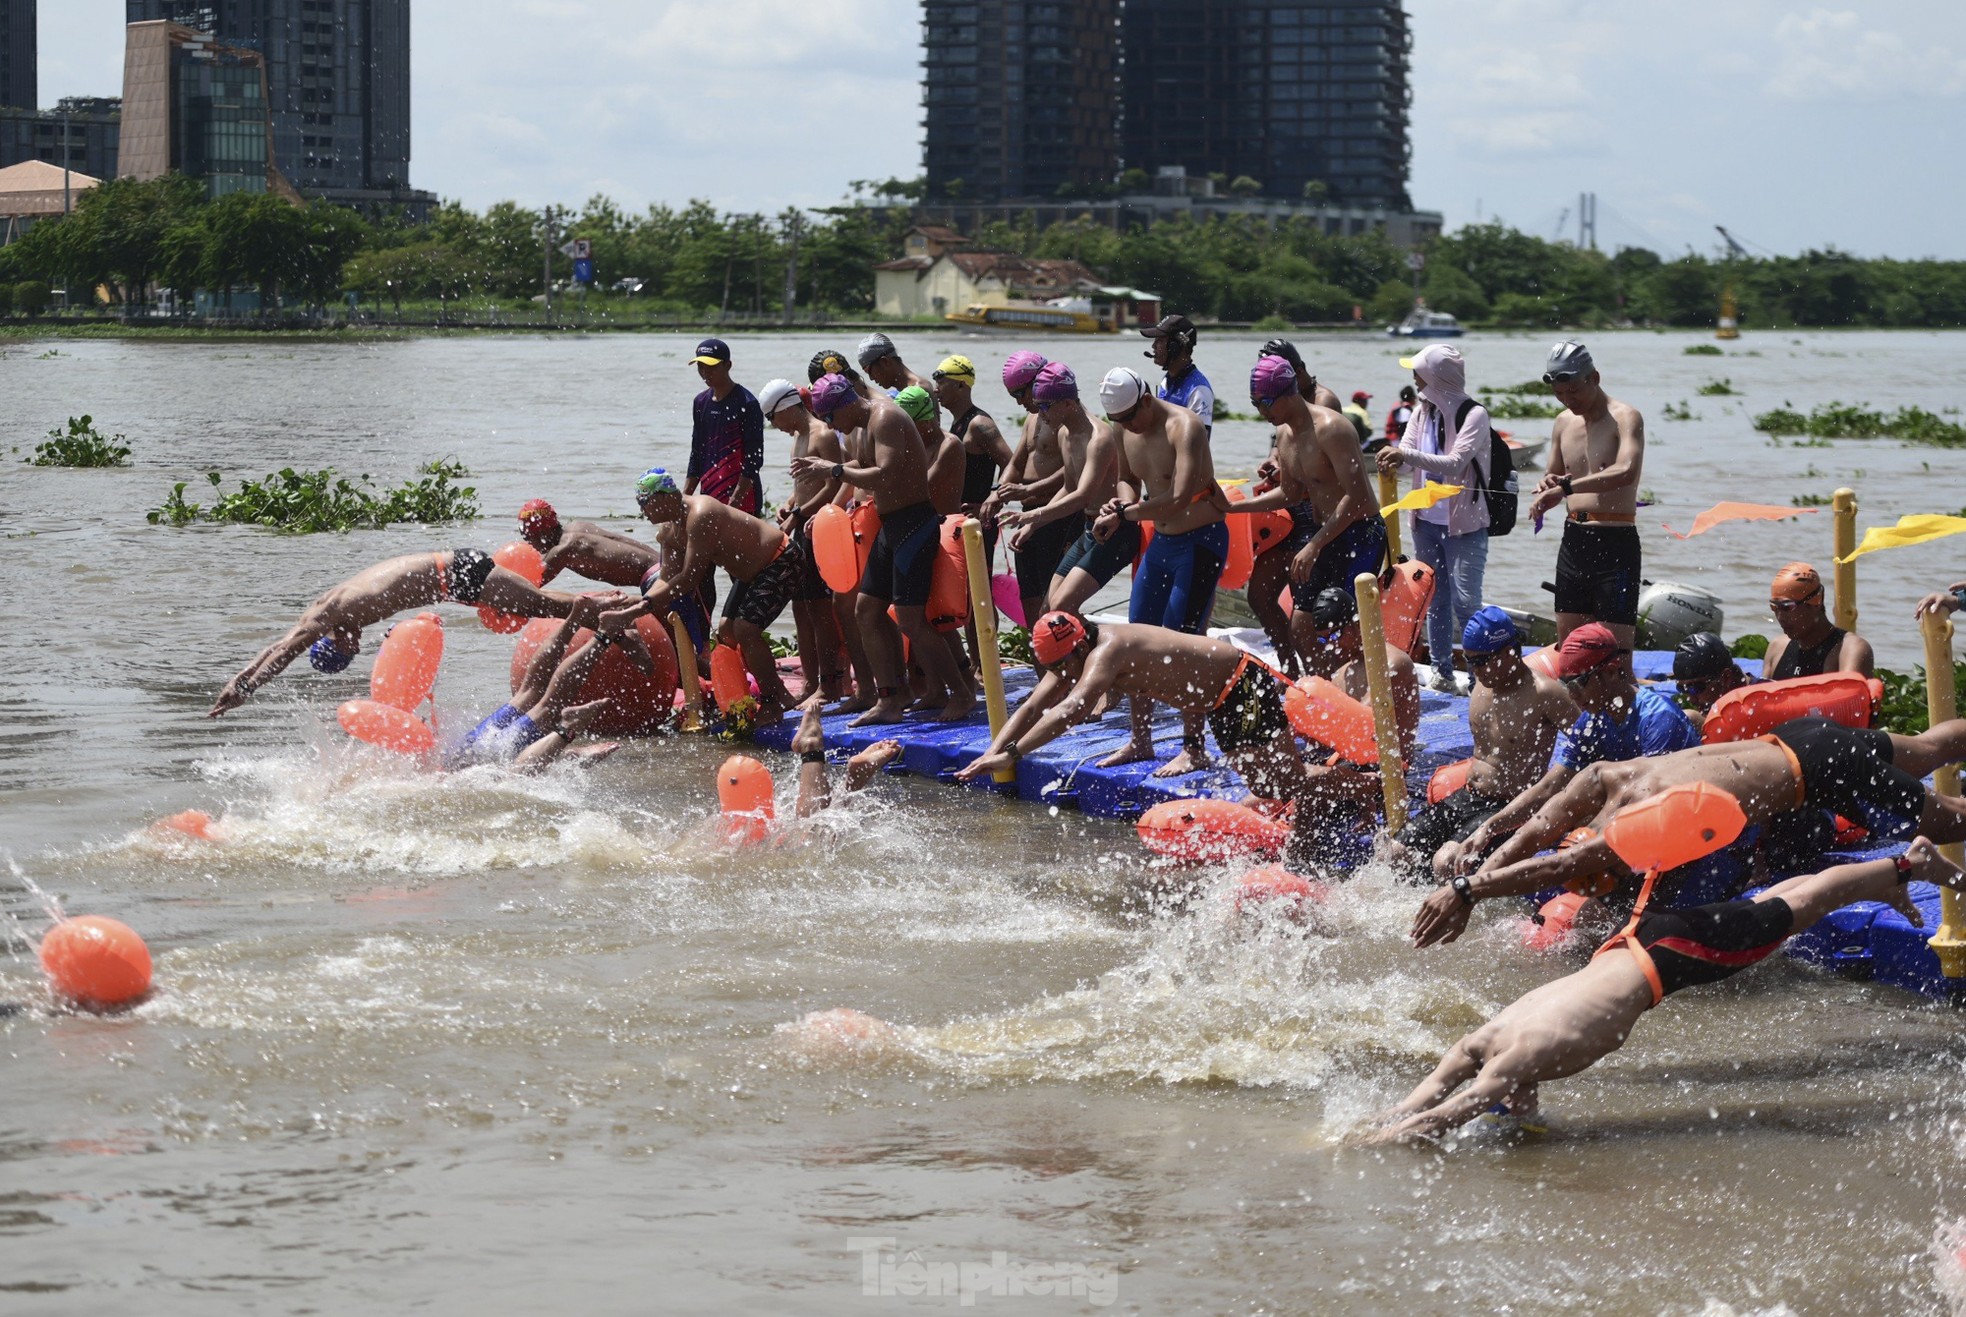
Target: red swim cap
1055 636
538 517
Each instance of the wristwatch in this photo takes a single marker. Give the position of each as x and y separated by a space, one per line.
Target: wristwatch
1014 753
1902 862
839 470
1563 483
1462 889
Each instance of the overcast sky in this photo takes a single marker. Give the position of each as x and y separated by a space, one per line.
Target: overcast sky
1795 125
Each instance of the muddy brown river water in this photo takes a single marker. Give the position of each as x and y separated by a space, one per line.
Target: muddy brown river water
483 1043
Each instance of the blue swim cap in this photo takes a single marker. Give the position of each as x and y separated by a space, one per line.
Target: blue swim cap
327 655
1488 631
652 482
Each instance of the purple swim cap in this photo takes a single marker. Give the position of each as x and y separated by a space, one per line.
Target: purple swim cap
1273 378
1055 383
1020 368
830 393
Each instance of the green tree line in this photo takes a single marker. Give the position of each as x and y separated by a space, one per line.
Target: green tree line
131 238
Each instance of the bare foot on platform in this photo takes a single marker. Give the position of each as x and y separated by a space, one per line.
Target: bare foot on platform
957 709
860 769
882 714
929 703
588 755
1131 753
1188 761
855 704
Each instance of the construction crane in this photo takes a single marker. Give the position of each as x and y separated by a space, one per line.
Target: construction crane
1730 318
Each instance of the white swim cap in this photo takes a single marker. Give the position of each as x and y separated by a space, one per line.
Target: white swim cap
1121 390
777 395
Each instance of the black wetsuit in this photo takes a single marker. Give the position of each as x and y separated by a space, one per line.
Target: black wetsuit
1796 661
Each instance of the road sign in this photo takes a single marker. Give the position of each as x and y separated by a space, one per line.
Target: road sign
1415 262
583 269
583 250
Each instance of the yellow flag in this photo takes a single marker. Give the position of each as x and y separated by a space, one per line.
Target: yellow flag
1424 497
1915 529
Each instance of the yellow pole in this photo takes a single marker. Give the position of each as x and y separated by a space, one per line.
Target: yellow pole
1942 705
687 675
1379 684
1388 495
1843 521
983 611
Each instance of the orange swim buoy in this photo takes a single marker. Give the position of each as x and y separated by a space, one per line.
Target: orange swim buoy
1269 529
406 666
1320 712
191 823
1599 884
521 559
1242 542
729 678
833 548
1448 779
1274 884
948 589
1403 604
1849 698
744 793
1209 831
96 961
1553 921
1678 826
638 703
385 727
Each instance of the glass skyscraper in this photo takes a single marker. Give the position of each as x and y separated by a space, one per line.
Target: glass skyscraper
19 60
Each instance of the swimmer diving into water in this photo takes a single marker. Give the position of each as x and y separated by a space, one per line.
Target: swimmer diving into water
809 744
540 723
330 631
1567 1026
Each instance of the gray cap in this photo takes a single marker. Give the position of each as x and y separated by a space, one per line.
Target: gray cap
1568 361
873 348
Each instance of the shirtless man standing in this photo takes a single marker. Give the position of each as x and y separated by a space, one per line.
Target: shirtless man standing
820 642
1240 697
945 492
585 549
1092 468
1167 477
1318 461
1567 1026
1271 570
1516 714
330 631
1035 474
1806 764
901 566
762 561
846 603
1597 450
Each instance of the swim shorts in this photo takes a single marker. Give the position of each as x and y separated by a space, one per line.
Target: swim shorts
1453 819
1707 943
1850 771
761 599
901 566
1250 715
1102 562
1361 547
812 586
1175 585
1597 572
464 573
501 737
1037 561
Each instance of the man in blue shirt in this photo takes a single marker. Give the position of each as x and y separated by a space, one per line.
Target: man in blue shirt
1621 720
727 434
1182 382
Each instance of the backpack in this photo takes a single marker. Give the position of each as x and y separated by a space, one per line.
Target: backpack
1498 489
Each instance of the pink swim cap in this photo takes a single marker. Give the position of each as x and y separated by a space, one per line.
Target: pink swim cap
830 393
1020 368
1055 383
1273 378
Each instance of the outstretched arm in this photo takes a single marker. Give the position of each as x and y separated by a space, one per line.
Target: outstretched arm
269 663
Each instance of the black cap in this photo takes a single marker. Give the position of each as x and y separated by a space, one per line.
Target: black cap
1334 606
711 352
1283 347
1700 656
1176 326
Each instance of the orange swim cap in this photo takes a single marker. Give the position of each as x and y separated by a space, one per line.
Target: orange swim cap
1055 636
1798 580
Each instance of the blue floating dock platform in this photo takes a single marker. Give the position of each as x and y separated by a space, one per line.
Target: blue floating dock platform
1868 939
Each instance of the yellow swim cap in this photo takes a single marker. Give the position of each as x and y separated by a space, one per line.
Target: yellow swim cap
957 368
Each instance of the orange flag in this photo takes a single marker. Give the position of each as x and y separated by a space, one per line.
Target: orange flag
1721 513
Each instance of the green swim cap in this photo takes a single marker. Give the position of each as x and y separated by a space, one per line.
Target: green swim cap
652 482
915 401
